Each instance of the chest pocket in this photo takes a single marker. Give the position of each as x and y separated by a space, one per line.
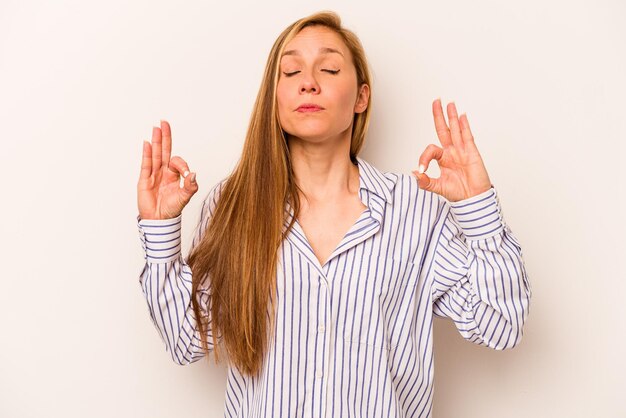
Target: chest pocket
379 313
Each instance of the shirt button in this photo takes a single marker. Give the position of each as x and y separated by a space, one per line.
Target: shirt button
321 328
319 375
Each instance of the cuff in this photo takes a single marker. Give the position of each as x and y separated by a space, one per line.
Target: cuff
479 216
160 238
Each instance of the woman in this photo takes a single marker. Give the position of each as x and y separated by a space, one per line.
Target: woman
317 272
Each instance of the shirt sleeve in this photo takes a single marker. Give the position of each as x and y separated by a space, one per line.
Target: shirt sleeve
478 276
166 281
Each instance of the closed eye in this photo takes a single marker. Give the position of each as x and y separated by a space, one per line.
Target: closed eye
334 72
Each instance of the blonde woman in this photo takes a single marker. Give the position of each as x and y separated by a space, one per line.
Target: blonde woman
316 273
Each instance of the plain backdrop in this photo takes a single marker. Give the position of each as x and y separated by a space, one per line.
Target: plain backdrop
82 83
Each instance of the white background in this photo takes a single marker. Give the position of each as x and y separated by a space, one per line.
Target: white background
82 83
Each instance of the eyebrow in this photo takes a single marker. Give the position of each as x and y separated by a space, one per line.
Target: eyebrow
323 50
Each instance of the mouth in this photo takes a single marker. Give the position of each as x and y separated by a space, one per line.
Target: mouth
309 107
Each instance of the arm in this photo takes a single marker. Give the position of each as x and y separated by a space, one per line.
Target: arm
478 275
166 283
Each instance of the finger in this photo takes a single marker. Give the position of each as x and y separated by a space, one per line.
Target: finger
466 133
190 187
432 152
443 133
146 161
178 165
156 149
426 183
455 130
167 142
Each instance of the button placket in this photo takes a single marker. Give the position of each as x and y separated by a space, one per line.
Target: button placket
321 328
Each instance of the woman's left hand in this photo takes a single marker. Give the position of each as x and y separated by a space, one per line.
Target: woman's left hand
463 174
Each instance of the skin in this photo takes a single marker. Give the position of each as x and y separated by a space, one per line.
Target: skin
158 193
463 173
319 143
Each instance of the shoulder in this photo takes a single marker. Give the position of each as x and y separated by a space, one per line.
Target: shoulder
411 198
396 187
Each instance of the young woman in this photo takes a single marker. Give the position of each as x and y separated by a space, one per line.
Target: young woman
318 273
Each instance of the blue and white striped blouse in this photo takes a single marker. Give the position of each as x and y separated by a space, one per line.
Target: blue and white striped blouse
354 337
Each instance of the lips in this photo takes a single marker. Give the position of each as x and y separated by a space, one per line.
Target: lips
309 107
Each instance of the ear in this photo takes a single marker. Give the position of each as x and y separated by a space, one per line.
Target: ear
362 99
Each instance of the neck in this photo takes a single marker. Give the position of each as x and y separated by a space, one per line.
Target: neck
324 170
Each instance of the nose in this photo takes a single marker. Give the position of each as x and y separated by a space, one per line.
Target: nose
309 85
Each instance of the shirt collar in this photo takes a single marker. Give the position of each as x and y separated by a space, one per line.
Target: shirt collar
370 179
374 180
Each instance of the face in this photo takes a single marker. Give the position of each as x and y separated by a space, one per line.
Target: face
316 69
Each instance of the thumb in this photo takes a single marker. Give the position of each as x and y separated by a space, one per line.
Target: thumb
426 182
190 187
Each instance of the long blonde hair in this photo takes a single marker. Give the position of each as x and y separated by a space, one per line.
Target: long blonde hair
239 248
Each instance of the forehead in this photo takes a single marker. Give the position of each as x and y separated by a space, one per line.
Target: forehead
314 40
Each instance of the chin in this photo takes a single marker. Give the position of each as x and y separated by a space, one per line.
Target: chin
318 135
310 137
314 134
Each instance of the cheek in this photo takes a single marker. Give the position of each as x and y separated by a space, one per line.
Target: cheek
282 93
346 96
282 100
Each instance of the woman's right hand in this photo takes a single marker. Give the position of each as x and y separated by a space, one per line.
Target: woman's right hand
159 195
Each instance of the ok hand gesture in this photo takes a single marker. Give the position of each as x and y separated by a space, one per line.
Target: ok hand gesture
463 173
159 195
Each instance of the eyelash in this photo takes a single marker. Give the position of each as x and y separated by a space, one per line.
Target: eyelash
333 72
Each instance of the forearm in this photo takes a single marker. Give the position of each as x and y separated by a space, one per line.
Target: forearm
480 280
166 282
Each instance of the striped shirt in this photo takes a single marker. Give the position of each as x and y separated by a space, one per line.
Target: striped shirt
354 337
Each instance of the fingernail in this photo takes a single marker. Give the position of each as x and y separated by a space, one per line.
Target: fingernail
193 178
186 173
421 169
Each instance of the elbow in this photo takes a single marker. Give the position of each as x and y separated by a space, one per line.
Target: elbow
517 328
510 339
188 356
183 360
510 345
178 357
502 333
180 360
513 330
